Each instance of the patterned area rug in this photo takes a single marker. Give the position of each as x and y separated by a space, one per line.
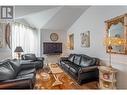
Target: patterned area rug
45 80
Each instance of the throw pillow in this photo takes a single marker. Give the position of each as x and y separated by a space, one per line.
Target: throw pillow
71 58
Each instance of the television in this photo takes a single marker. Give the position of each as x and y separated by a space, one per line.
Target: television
52 48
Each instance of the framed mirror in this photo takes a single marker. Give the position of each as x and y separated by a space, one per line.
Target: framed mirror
116 32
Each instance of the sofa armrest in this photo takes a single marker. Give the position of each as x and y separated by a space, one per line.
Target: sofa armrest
16 83
87 69
40 58
22 57
27 65
97 62
63 58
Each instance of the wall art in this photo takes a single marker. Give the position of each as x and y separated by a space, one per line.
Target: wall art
85 39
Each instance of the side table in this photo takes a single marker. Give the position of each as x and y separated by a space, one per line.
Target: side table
107 77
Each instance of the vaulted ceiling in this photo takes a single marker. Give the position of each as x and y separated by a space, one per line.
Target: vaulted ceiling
49 17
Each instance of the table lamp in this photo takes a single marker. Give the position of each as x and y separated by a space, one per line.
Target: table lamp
113 41
18 50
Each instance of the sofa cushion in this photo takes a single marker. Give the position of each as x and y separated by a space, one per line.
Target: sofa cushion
16 65
71 57
77 67
65 62
27 66
30 76
87 61
74 68
37 64
6 71
29 57
26 71
94 62
66 65
77 59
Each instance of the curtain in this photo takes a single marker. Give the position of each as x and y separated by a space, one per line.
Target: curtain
24 36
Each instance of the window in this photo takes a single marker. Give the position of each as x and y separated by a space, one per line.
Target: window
25 37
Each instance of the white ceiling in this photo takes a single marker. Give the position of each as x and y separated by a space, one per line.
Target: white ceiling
49 17
21 11
41 18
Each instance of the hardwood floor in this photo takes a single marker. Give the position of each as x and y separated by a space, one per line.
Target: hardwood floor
45 80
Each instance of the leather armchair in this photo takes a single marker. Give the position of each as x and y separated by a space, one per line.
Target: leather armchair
31 58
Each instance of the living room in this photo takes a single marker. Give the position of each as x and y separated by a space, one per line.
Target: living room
66 25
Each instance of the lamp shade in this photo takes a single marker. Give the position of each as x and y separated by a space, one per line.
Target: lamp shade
18 49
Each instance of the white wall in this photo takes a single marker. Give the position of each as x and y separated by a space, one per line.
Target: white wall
5 53
45 37
93 20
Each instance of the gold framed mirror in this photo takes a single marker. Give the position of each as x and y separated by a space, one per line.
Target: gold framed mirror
116 34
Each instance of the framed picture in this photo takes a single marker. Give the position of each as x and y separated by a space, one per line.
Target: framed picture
85 39
71 41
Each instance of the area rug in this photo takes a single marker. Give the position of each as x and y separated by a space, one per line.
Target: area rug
45 80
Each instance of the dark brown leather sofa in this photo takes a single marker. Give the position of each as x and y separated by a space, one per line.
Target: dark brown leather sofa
81 67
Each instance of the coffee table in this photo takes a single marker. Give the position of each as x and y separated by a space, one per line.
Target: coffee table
56 71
